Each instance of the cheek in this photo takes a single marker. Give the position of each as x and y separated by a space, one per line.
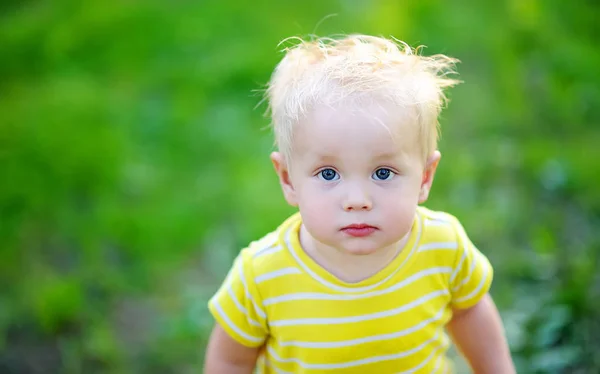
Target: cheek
404 191
317 207
399 205
314 200
397 216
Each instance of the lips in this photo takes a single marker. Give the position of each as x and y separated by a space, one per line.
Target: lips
359 230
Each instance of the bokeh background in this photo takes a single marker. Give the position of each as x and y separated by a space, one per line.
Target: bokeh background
134 166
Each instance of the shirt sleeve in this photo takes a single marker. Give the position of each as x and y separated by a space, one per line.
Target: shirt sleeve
472 276
237 305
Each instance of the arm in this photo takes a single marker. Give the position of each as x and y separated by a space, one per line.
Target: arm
241 327
479 335
224 355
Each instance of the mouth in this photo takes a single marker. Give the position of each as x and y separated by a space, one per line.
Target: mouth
359 230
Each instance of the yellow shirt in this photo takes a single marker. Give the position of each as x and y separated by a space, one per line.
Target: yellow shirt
309 321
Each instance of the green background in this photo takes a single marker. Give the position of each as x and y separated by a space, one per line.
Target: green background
134 165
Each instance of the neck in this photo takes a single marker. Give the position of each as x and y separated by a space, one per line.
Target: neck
348 267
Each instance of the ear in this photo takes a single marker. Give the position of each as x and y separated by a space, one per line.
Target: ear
282 170
428 174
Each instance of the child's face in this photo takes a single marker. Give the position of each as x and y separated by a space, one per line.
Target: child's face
356 176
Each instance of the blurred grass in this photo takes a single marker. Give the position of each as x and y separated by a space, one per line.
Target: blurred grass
134 165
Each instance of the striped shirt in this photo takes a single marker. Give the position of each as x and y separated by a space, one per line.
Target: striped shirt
308 321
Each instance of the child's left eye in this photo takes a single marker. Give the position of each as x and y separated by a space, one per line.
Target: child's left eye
383 174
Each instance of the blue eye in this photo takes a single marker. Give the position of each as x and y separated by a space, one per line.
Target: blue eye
328 174
383 174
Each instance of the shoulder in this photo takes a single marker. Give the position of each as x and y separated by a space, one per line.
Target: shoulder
268 253
443 239
439 225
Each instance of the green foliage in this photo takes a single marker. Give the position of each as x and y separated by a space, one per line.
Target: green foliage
134 165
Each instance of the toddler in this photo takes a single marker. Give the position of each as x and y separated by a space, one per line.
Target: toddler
363 278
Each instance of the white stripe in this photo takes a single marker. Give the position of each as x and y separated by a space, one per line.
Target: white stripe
234 327
364 317
476 290
437 365
247 292
369 339
265 243
236 302
438 246
241 308
459 267
436 222
351 289
277 273
440 216
258 310
261 364
325 296
425 362
465 246
347 364
267 250
270 366
468 277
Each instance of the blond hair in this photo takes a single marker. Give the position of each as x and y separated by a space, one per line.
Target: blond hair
354 68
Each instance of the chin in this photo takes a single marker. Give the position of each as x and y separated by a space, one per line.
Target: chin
360 250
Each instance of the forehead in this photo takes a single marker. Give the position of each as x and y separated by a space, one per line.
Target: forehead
374 128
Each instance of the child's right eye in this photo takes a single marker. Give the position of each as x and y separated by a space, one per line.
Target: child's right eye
328 175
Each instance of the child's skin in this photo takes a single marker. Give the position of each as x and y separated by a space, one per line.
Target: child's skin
363 167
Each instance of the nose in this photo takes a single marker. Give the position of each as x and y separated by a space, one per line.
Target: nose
357 199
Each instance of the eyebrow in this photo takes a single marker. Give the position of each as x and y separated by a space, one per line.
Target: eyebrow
326 158
386 155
